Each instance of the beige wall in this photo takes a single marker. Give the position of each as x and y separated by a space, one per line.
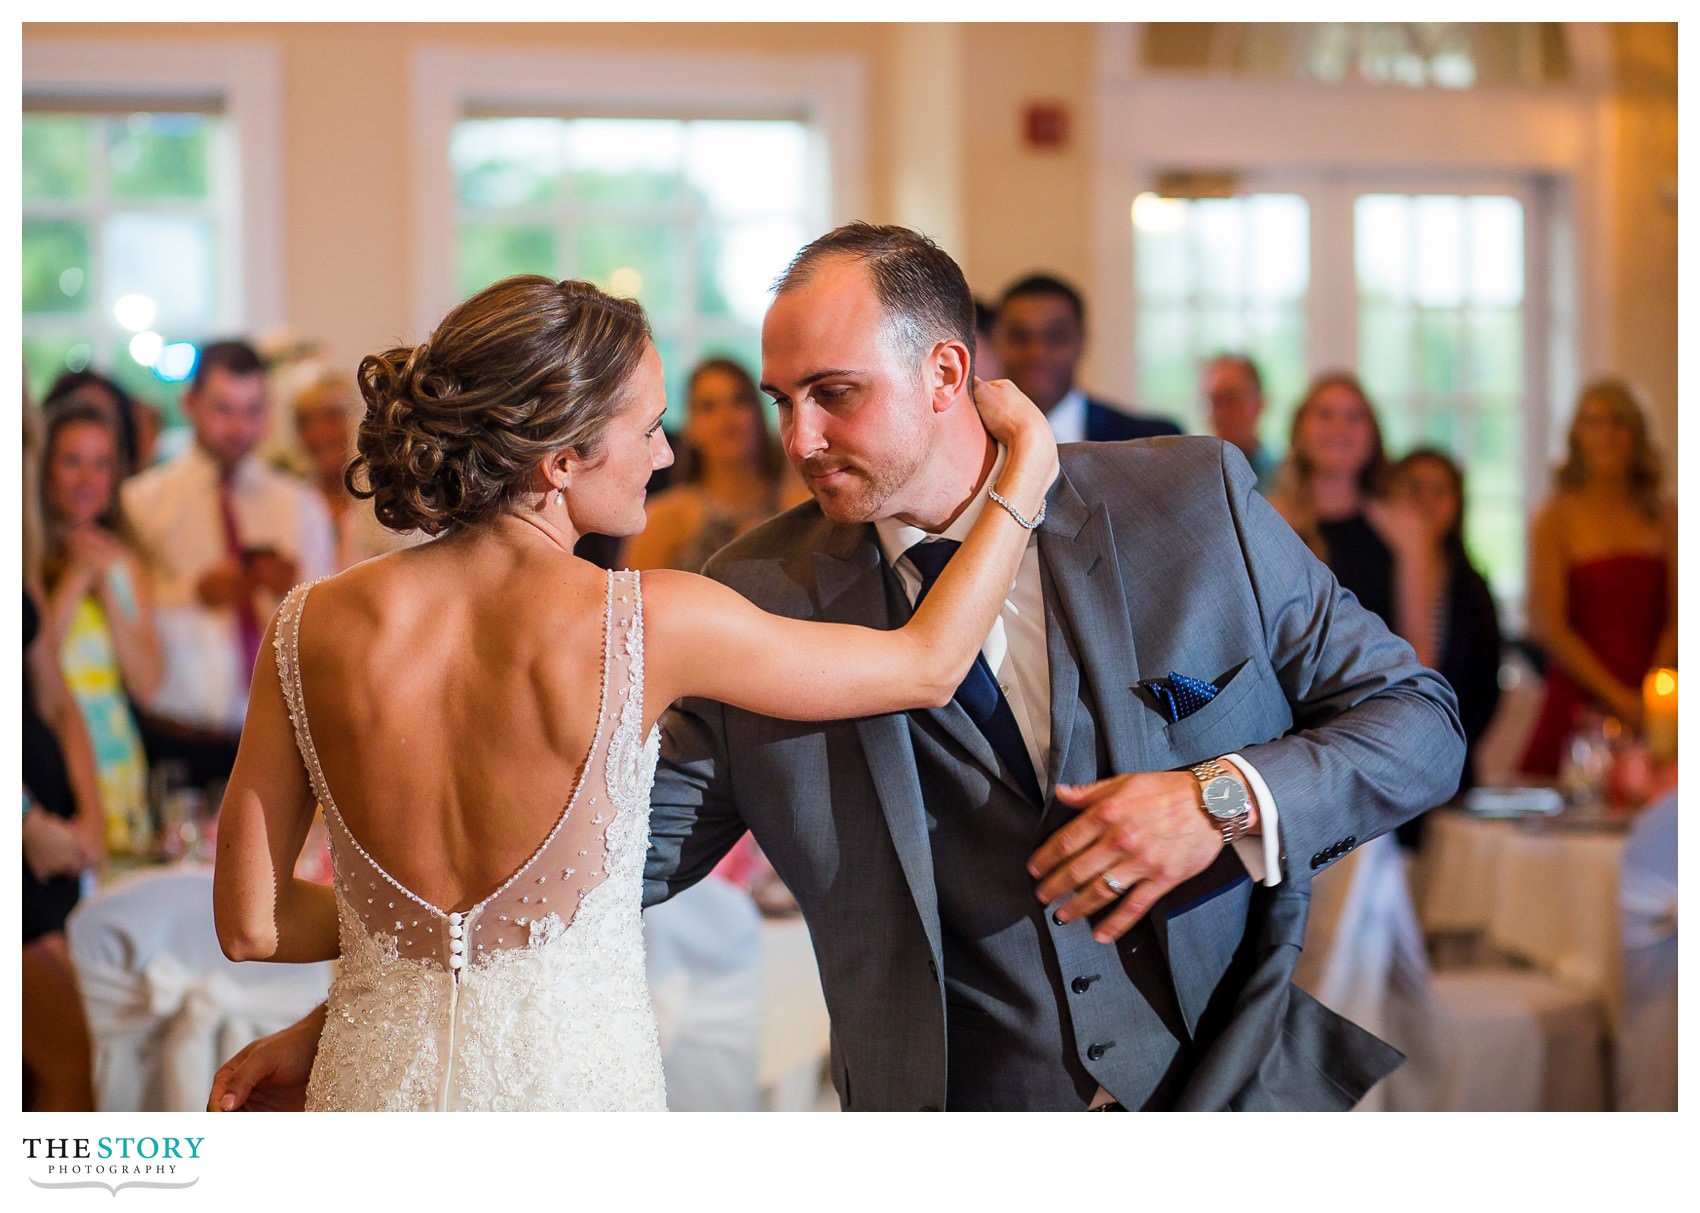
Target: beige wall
1643 235
944 152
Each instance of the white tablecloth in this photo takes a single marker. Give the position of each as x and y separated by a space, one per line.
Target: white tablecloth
795 1031
1541 892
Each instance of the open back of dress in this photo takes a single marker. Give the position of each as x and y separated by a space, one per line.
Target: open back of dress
532 999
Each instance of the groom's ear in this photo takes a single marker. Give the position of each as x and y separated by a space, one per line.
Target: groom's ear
949 369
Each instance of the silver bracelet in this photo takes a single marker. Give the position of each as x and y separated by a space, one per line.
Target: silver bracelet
1020 518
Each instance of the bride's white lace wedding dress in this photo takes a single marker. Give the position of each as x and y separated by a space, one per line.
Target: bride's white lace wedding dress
532 999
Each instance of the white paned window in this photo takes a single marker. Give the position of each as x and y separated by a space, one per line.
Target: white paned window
1422 294
1220 275
692 217
129 245
1441 347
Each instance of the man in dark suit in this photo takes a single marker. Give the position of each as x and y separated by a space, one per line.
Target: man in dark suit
1039 336
1084 882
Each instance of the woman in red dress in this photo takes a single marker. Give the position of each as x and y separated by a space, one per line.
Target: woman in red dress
1602 598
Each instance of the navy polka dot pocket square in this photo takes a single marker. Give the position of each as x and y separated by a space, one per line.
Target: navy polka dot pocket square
1179 696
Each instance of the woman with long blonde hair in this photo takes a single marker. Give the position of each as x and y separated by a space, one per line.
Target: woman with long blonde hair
1602 571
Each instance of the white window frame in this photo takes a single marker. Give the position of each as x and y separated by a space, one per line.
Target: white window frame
828 92
244 78
1259 129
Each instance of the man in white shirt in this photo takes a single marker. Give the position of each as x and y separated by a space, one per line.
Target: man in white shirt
223 537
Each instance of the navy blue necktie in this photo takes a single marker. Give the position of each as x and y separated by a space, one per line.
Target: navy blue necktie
979 694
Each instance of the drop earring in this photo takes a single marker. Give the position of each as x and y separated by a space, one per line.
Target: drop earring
560 499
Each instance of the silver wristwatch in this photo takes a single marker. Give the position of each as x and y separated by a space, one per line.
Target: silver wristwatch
1223 798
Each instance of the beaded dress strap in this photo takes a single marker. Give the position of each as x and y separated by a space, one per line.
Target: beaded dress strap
286 643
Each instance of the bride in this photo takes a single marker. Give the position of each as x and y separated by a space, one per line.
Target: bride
476 715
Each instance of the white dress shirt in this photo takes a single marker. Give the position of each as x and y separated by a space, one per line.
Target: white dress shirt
1068 417
1019 660
173 510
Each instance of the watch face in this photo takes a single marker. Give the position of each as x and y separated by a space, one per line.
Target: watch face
1224 797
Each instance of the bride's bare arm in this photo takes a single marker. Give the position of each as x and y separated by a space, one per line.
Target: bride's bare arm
706 640
260 909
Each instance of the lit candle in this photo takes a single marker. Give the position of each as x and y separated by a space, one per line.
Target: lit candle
1658 702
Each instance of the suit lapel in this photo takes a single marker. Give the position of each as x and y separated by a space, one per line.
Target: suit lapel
853 586
1085 595
1087 629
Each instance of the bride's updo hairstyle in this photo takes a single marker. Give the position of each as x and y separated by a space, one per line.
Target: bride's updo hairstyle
524 369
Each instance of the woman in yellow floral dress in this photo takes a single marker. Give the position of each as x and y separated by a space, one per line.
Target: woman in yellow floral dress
98 617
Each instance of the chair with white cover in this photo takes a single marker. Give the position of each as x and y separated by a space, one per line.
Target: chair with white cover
1480 1039
1645 1061
165 1007
1488 1039
704 960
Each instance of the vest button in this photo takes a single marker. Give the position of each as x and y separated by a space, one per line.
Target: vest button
1096 1052
1057 918
1081 984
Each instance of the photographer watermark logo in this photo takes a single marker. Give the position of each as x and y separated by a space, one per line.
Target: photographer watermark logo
113 1163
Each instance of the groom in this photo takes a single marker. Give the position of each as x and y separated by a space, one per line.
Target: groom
1084 883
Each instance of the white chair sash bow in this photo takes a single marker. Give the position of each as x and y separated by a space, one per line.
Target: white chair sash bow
165 1008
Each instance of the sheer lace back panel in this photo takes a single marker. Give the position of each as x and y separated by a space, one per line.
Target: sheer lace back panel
533 998
540 899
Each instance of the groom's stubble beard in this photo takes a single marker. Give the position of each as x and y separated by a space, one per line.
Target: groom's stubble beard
866 492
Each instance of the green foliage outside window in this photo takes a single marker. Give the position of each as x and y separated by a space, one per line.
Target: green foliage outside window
147 183
660 210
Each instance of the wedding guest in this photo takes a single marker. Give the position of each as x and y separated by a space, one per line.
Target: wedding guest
1233 388
1602 583
1039 337
97 616
1332 490
136 422
60 841
223 537
1464 618
730 475
324 409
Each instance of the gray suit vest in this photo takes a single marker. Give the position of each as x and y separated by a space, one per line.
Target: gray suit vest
1037 1013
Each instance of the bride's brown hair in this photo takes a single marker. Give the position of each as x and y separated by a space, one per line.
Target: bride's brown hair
455 426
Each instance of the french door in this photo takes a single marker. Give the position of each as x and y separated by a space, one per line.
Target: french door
1434 292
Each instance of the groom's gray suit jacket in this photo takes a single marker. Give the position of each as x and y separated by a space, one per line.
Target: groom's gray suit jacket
949 985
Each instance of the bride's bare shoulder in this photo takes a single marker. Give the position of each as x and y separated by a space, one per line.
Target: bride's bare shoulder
667 592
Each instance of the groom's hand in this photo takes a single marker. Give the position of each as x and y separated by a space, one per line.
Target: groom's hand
1147 833
270 1075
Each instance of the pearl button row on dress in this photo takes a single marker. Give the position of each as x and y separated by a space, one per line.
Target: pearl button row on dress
457 942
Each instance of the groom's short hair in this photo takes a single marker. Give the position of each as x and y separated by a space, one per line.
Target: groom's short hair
922 289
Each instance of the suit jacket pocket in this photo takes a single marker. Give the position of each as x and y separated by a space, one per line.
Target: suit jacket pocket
1222 724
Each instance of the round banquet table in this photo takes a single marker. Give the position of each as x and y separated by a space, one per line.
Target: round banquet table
1541 891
